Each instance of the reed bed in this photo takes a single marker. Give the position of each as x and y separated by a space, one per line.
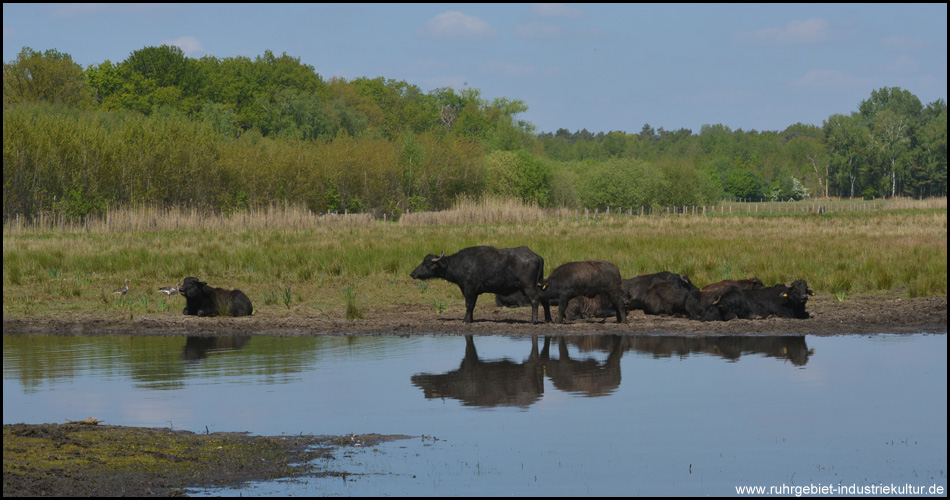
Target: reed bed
466 211
157 219
487 210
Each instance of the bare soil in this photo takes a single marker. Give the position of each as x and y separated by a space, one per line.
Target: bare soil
886 313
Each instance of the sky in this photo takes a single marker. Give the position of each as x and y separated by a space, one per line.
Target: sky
576 66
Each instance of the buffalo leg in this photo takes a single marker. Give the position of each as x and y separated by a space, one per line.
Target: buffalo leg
469 307
618 305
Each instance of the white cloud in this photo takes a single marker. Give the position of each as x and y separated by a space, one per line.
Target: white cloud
189 45
795 32
456 25
537 30
556 10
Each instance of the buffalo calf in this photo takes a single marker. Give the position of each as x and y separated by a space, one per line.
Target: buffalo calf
203 300
583 279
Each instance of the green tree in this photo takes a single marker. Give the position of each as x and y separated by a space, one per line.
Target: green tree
744 184
932 151
847 143
49 76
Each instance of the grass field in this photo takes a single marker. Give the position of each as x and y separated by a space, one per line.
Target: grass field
291 261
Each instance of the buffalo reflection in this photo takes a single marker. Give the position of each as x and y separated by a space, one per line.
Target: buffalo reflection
198 346
792 349
589 376
487 383
507 383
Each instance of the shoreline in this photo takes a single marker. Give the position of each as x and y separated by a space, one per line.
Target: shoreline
857 315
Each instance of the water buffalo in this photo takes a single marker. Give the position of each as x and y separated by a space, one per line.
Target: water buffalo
723 303
635 289
671 299
588 279
746 284
203 300
779 300
485 269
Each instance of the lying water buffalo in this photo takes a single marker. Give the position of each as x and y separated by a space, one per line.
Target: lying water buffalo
635 289
485 269
588 279
723 303
780 300
746 284
672 299
203 300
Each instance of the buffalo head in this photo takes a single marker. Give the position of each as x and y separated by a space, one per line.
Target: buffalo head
432 267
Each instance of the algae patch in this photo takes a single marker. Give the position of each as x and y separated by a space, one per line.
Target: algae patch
106 460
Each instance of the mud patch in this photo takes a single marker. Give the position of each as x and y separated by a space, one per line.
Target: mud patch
883 313
105 460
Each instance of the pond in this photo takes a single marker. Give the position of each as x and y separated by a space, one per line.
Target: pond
490 415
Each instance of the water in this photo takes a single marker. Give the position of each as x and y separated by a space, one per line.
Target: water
600 415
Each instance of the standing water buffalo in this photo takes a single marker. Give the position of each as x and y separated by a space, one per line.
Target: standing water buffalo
485 269
203 300
588 279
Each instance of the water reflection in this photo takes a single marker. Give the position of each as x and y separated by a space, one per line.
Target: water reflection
487 383
790 348
197 347
587 376
491 383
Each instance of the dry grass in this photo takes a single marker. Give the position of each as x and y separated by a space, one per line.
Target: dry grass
471 211
154 219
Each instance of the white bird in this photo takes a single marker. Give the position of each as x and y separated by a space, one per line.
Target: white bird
124 290
169 290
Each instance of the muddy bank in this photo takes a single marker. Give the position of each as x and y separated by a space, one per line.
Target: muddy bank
79 459
829 316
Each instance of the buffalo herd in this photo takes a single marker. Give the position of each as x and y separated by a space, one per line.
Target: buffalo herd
594 288
590 288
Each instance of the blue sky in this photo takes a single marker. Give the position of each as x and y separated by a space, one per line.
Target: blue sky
599 67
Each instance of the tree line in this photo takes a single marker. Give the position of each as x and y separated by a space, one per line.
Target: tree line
227 134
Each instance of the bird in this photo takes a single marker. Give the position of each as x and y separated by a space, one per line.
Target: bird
124 290
169 290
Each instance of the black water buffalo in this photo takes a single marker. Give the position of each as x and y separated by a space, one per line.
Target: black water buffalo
672 299
779 300
588 278
746 284
635 289
723 303
203 300
485 269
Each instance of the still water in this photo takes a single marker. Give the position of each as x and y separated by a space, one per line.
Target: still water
588 415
